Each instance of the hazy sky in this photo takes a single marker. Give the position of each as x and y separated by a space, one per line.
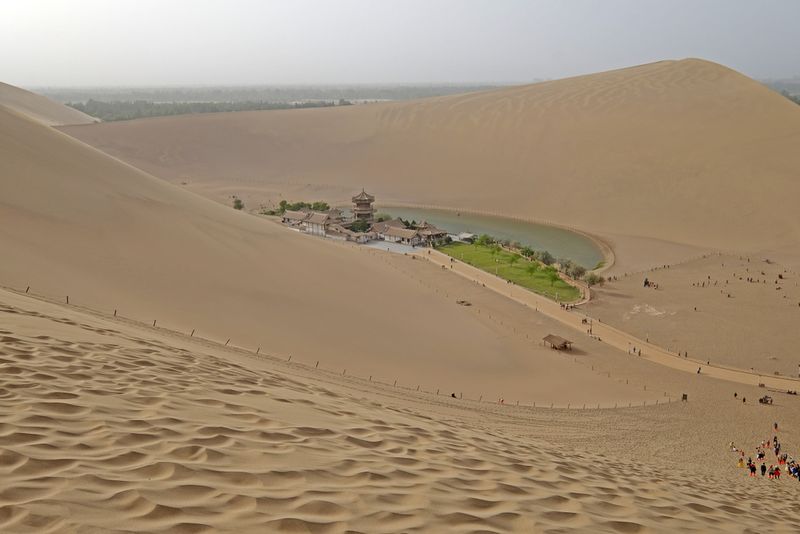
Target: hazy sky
183 42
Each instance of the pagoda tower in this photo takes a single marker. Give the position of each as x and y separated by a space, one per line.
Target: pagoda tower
362 207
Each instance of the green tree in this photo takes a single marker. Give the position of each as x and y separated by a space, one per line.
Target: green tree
484 240
546 258
576 271
552 275
238 204
514 259
593 279
360 226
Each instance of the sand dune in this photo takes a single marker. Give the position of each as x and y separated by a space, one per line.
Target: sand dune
108 426
78 223
731 310
40 108
687 152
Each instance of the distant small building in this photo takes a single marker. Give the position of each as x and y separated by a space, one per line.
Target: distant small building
337 231
294 218
362 207
381 227
316 223
429 234
465 237
405 236
557 342
335 215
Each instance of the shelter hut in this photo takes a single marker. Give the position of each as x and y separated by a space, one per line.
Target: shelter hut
557 342
362 207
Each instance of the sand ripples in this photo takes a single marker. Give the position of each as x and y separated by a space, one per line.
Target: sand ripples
144 436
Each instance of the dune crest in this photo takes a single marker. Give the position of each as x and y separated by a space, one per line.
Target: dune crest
693 152
40 108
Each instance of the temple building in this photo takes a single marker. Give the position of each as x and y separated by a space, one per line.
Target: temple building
362 207
316 223
429 234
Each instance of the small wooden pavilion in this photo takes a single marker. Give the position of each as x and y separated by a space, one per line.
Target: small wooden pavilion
557 342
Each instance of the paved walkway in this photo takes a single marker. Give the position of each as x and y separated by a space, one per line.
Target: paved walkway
605 333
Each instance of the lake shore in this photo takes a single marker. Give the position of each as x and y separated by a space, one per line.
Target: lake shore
604 247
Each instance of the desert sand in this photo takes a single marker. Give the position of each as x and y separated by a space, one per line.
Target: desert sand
694 153
82 225
106 425
159 350
738 311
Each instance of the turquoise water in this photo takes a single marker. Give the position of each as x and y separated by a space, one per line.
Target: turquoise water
559 242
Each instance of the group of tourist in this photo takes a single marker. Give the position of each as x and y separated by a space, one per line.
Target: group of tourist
783 463
649 283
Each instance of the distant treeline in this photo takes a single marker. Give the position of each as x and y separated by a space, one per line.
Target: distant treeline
285 94
793 98
120 110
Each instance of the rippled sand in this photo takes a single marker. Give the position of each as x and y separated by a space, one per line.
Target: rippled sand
108 426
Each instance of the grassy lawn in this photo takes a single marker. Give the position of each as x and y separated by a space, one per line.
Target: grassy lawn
502 264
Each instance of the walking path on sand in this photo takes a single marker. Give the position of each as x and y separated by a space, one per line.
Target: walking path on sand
600 331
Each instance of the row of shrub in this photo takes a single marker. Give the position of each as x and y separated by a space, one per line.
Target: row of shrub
565 265
285 205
